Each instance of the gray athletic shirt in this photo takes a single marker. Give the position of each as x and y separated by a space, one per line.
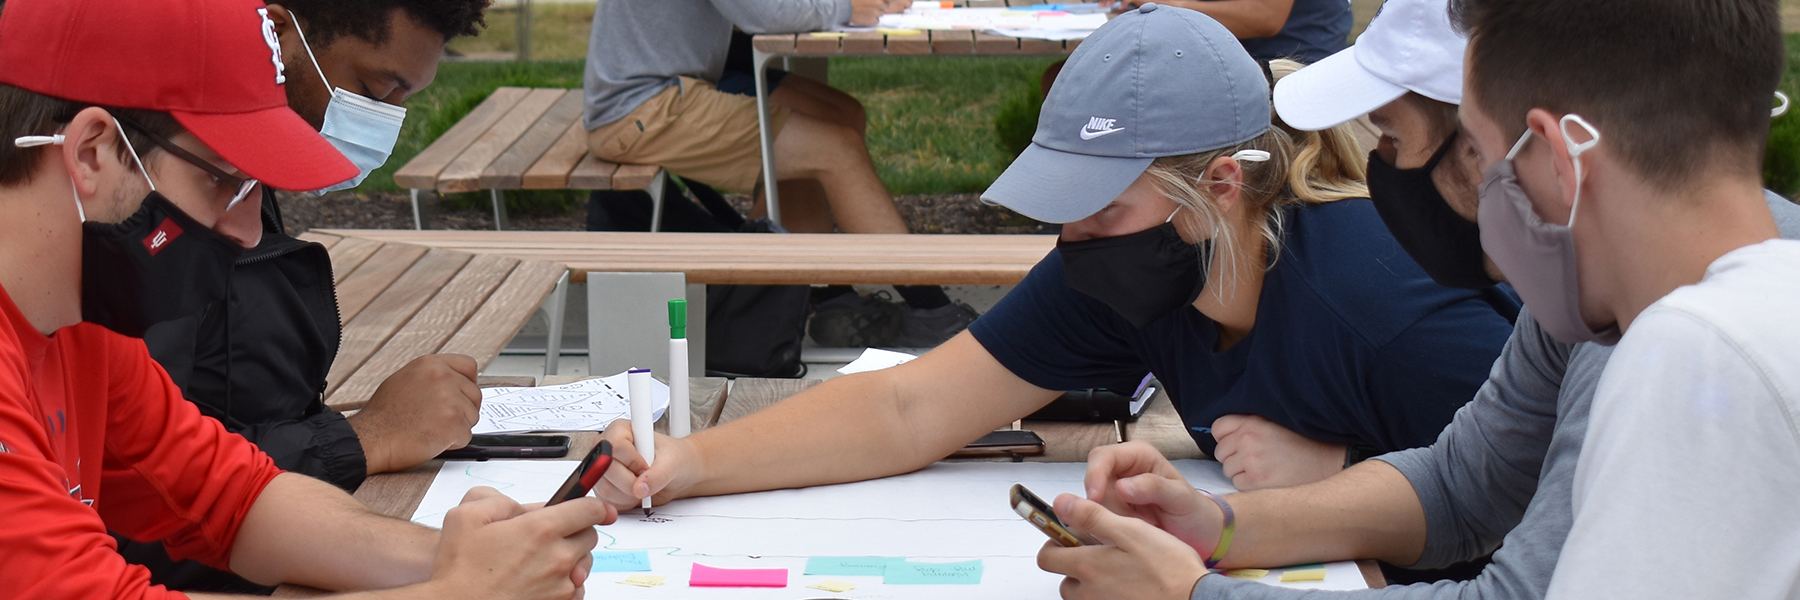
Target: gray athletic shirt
1503 470
639 48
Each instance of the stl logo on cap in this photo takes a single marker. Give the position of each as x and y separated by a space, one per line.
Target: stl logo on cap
1098 126
268 33
159 239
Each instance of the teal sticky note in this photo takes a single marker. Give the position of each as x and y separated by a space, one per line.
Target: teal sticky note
909 573
874 566
619 562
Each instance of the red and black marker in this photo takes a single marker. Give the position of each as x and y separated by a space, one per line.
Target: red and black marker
586 475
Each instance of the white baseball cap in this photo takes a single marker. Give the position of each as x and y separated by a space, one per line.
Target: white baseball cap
1409 46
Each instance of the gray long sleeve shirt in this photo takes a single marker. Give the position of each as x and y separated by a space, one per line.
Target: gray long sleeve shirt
639 48
1502 471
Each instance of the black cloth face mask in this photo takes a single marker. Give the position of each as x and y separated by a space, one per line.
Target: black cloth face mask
157 265
1444 243
1143 276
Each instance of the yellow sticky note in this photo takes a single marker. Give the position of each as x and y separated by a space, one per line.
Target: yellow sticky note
644 580
886 31
1247 573
1304 575
828 34
836 587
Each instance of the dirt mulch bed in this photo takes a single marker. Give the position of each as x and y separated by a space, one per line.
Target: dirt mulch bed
939 213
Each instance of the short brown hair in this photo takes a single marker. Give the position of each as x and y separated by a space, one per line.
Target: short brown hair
1672 84
24 112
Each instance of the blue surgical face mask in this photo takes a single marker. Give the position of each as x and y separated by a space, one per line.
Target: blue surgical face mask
363 129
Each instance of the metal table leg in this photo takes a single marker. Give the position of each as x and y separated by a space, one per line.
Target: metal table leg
417 222
553 316
499 210
759 64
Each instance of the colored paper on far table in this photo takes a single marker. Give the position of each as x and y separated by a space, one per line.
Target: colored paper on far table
620 562
874 566
908 573
705 576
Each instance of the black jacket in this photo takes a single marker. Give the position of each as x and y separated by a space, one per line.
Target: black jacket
257 363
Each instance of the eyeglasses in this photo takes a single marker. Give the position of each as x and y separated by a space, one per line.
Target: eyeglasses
220 177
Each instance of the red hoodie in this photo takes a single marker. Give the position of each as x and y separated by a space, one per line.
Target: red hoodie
93 436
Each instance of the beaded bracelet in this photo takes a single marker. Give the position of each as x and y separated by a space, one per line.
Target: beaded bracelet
1225 535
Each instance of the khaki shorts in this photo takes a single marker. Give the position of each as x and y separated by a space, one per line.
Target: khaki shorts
695 131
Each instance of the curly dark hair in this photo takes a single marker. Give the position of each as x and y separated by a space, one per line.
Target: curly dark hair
327 20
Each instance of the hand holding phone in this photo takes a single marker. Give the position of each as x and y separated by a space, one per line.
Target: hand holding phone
1036 511
586 474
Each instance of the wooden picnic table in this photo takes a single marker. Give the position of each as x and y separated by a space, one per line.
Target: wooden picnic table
716 403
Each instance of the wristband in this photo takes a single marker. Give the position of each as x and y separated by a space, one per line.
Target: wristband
1225 534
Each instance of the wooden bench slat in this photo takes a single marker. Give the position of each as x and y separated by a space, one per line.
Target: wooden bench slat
505 311
348 255
429 328
807 43
633 177
390 310
865 42
377 273
421 172
988 43
552 171
508 171
464 173
1031 46
592 174
952 42
774 43
918 43
322 239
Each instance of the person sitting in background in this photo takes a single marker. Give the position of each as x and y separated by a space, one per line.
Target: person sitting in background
258 361
657 94
1233 257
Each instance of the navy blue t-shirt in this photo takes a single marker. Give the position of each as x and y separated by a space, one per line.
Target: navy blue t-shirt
1353 343
1314 30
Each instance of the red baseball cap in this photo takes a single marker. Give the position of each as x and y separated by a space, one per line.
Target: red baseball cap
215 65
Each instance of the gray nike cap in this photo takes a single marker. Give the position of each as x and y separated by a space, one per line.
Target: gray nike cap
1157 81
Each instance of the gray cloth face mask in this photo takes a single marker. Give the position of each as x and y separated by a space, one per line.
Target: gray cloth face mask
363 129
1538 258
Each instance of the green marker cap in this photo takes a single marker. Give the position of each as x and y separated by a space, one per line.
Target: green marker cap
677 319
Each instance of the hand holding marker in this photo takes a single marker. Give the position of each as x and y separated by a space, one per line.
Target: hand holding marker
643 419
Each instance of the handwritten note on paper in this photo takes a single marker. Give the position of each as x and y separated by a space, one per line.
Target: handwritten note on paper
911 573
705 576
646 581
835 587
587 405
873 566
619 562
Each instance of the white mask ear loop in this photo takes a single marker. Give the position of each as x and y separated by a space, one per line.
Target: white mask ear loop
1250 156
33 141
134 154
1779 110
1172 215
309 53
1575 152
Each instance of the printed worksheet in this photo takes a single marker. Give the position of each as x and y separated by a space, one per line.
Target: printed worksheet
587 405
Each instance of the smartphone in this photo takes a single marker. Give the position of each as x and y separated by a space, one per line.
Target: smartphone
585 476
1004 442
1035 510
483 447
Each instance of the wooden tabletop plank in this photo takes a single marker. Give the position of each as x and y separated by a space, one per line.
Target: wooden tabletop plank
952 42
551 171
865 42
1161 426
591 173
464 173
421 172
917 43
488 381
374 277
706 395
988 43
348 255
1031 46
1069 45
774 43
749 394
508 171
429 328
322 239
391 310
505 312
634 177
825 42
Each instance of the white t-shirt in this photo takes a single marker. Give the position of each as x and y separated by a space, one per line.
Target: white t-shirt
1688 484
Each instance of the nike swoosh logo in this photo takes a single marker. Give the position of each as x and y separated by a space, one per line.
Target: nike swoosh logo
1087 134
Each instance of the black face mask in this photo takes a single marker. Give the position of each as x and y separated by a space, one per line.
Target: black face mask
1143 276
1444 243
158 265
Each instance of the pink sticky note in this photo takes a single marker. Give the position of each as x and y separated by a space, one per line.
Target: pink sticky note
705 576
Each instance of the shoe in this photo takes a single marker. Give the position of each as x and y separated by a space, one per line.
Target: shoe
928 327
853 321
